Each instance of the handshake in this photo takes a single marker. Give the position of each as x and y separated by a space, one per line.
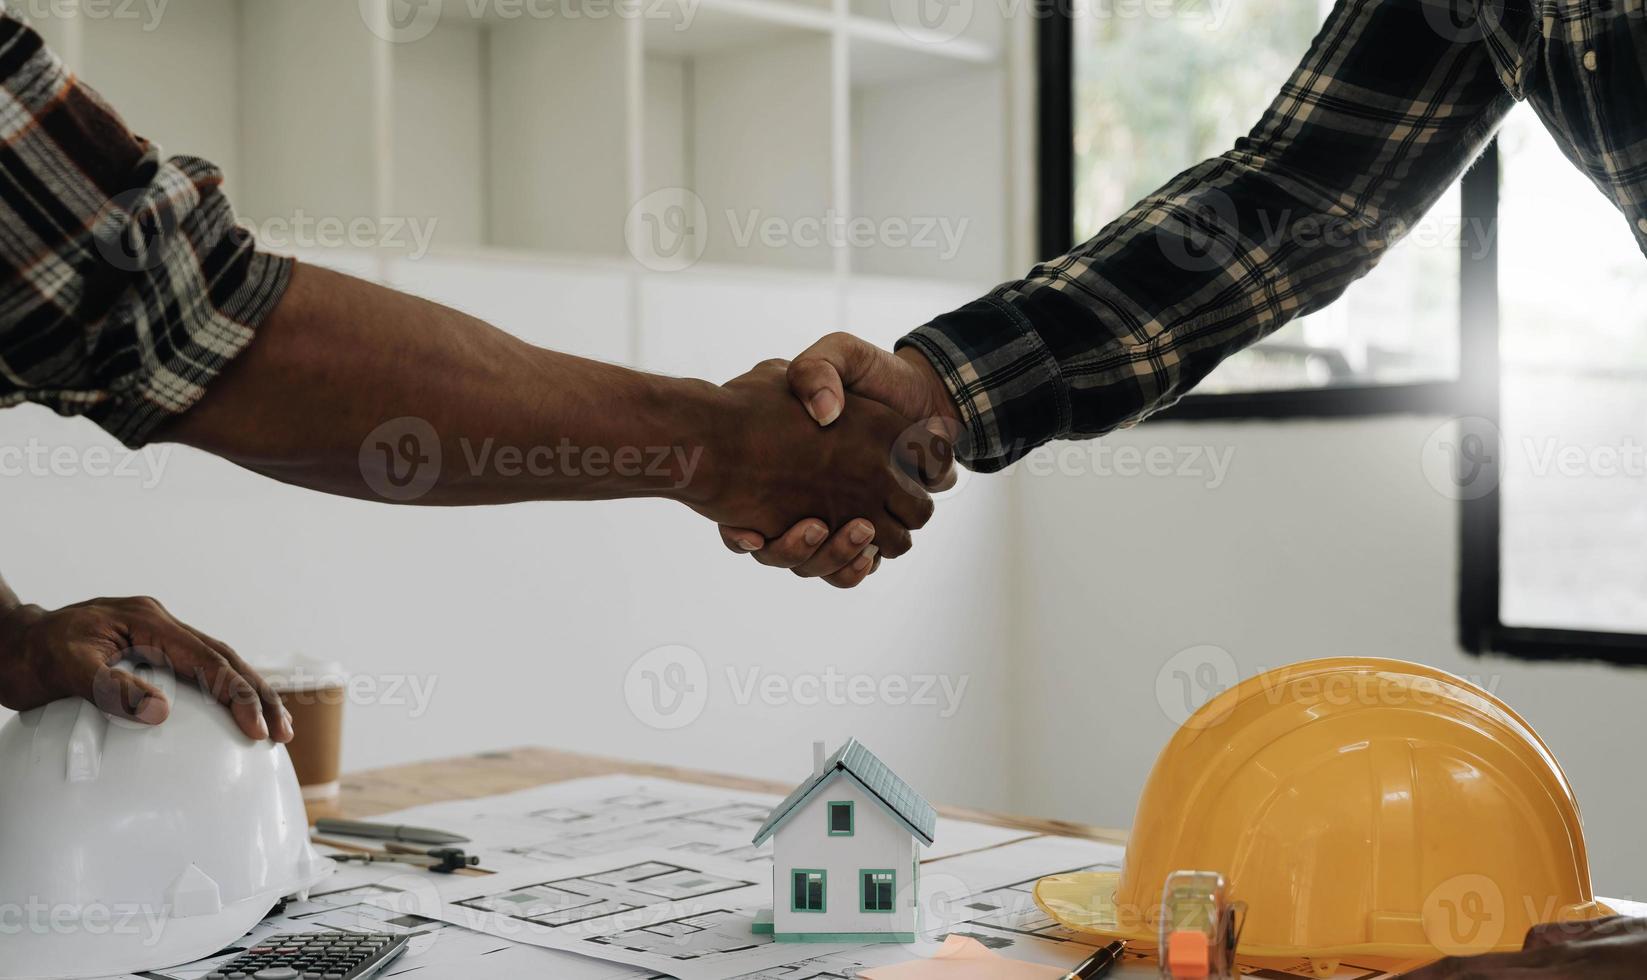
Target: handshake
831 458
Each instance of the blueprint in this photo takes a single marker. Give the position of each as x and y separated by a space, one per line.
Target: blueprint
667 911
607 814
437 949
637 878
689 915
579 899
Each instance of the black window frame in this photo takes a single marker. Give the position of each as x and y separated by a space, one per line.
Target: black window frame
1473 395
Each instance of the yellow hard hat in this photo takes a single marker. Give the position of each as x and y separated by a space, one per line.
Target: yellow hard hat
1361 809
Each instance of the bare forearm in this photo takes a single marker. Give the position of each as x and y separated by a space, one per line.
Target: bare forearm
8 599
346 379
354 389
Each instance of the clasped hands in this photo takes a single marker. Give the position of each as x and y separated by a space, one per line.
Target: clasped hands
839 454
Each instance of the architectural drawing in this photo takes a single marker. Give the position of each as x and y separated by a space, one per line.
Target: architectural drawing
643 819
571 901
688 937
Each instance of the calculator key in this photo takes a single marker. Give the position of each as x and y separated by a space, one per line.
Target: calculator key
276 973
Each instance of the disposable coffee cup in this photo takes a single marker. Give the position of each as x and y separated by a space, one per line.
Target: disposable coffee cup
313 692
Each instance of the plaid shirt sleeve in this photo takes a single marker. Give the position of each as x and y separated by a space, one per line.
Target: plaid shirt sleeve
1383 114
125 284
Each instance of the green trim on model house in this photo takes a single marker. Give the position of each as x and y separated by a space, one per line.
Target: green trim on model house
851 818
864 886
823 889
882 787
843 937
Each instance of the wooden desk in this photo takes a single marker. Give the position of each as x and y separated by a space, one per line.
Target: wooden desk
377 791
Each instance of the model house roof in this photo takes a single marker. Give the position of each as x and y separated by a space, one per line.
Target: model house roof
854 761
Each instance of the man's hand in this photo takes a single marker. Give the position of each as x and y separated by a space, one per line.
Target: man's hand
821 378
773 463
839 363
503 421
71 652
1602 949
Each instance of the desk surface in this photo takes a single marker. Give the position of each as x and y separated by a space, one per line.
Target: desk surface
376 791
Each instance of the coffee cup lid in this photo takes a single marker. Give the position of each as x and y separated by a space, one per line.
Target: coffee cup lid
301 673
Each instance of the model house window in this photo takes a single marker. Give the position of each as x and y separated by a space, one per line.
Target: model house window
840 819
878 888
808 890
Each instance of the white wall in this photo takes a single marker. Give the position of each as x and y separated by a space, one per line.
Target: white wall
1324 539
202 120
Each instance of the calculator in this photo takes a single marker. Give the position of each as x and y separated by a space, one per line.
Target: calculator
314 956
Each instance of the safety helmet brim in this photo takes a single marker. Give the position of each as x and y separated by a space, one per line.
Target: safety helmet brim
1085 902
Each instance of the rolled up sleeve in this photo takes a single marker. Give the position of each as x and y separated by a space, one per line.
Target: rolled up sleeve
126 285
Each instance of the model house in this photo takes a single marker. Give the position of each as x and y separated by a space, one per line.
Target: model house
846 848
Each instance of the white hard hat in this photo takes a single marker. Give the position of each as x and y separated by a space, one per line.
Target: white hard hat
126 847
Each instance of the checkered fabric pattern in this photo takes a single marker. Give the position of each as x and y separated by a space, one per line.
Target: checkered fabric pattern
125 284
1392 102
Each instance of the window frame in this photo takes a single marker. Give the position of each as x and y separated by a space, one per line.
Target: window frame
823 890
1481 626
863 892
1475 394
851 818
1055 201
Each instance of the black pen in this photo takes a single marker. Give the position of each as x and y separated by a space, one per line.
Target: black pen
1097 964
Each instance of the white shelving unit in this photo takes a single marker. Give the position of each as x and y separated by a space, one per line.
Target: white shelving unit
788 156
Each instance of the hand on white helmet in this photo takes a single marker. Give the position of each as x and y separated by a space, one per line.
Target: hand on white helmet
71 652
